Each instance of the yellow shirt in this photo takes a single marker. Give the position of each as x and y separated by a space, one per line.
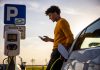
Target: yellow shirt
62 33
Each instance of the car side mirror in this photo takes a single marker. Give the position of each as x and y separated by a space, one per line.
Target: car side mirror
64 52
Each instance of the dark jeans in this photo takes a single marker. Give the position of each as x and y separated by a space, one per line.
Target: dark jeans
54 56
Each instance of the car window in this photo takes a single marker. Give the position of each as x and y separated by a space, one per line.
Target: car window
92 35
90 42
91 32
94 28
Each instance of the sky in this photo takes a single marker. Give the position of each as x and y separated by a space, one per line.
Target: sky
79 14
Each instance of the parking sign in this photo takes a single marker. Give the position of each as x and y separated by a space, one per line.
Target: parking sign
15 14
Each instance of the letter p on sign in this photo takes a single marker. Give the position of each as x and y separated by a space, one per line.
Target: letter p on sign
11 14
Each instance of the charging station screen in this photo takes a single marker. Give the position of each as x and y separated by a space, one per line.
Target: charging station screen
12 37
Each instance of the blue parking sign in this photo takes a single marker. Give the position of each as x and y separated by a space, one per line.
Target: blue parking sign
15 14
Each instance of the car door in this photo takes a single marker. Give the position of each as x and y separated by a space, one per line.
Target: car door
85 51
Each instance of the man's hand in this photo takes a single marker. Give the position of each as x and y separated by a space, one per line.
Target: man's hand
46 38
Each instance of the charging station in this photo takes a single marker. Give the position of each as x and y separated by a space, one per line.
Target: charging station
12 43
14 30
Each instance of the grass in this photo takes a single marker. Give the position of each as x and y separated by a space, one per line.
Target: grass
36 67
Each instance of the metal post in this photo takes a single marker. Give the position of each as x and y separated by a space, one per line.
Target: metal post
11 62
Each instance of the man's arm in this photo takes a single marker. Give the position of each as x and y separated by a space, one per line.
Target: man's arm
46 39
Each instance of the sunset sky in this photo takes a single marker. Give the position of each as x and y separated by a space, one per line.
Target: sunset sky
79 14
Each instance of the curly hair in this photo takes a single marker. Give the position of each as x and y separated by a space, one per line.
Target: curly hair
53 9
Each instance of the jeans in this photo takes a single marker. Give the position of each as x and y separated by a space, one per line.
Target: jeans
54 56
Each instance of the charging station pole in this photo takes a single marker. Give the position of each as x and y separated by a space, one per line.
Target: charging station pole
11 64
14 15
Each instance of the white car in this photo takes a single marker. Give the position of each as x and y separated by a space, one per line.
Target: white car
85 50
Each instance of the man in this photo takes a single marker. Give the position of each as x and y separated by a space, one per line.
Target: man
62 34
